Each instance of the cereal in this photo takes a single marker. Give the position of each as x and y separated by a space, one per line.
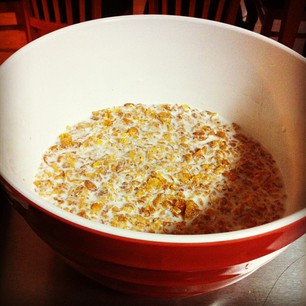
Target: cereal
162 169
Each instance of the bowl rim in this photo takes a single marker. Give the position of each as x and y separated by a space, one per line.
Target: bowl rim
217 24
93 226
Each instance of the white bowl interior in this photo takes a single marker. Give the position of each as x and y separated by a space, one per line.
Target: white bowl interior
60 78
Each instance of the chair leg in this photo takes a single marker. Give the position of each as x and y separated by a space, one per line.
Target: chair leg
267 24
31 32
21 14
290 22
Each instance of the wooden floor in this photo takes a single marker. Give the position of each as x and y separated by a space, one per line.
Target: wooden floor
12 40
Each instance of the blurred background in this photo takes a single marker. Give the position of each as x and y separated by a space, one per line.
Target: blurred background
22 21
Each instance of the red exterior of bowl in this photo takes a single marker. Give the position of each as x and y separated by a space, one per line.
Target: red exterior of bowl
154 268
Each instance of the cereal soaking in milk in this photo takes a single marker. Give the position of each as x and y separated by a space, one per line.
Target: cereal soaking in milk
167 169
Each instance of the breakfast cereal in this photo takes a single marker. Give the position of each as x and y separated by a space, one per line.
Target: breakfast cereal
168 169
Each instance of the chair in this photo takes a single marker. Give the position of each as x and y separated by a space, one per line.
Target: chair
15 8
290 12
12 28
219 10
44 16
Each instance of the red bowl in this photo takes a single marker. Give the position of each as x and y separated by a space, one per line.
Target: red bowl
65 75
158 268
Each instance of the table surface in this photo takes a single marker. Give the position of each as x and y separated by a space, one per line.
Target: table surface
33 274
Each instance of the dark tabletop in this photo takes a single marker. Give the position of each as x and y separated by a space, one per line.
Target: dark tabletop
33 274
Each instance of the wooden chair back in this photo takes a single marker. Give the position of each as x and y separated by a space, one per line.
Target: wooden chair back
290 13
14 7
218 10
44 16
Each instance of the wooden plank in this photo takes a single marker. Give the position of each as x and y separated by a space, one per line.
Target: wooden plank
35 9
56 11
220 9
205 9
82 10
178 7
69 12
96 9
192 8
45 10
